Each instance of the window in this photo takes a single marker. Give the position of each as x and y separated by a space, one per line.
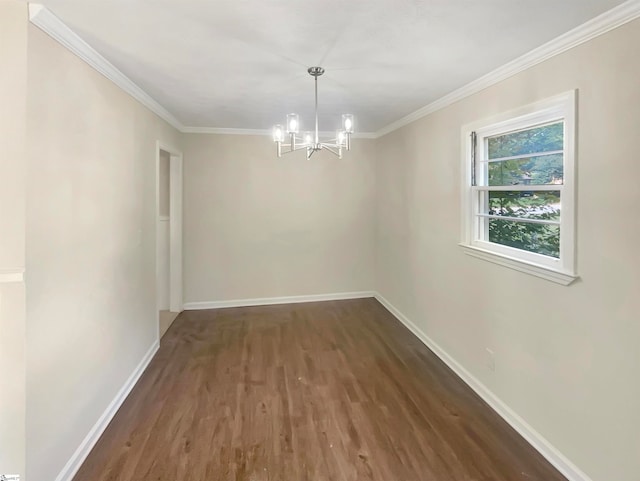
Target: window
519 189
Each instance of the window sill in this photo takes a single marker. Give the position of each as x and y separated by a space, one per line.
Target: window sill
516 264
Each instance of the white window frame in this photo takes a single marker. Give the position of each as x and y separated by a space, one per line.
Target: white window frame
561 270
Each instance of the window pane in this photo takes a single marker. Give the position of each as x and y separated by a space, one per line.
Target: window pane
530 205
539 139
538 238
541 170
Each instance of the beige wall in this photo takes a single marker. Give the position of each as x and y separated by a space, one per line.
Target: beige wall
13 89
91 216
567 358
258 226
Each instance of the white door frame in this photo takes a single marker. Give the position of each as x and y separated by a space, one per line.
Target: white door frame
175 226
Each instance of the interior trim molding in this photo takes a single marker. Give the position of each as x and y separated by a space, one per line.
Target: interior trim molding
534 438
595 27
11 275
224 131
562 278
73 464
267 301
176 227
262 132
42 18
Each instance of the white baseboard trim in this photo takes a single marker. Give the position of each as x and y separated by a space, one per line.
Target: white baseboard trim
73 465
544 447
266 301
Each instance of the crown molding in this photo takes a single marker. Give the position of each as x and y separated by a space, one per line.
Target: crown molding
364 135
595 27
262 132
42 18
224 131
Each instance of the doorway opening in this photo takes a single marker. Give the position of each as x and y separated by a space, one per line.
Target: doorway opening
168 235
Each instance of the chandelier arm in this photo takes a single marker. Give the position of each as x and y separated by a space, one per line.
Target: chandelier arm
296 144
298 141
337 153
299 147
330 149
310 152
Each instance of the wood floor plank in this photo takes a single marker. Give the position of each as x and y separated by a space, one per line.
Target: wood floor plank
325 391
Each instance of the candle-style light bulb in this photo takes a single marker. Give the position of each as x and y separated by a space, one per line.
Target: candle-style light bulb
278 133
347 123
293 124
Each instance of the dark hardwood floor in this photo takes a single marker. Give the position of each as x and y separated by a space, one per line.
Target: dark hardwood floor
305 392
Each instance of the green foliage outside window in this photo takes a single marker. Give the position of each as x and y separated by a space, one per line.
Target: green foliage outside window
536 170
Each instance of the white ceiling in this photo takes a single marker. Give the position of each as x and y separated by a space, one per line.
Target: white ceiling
242 63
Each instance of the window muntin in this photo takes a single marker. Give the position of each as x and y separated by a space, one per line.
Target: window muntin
537 170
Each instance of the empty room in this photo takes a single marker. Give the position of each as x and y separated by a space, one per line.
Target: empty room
384 240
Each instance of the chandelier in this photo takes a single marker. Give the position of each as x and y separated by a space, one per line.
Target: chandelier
311 140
